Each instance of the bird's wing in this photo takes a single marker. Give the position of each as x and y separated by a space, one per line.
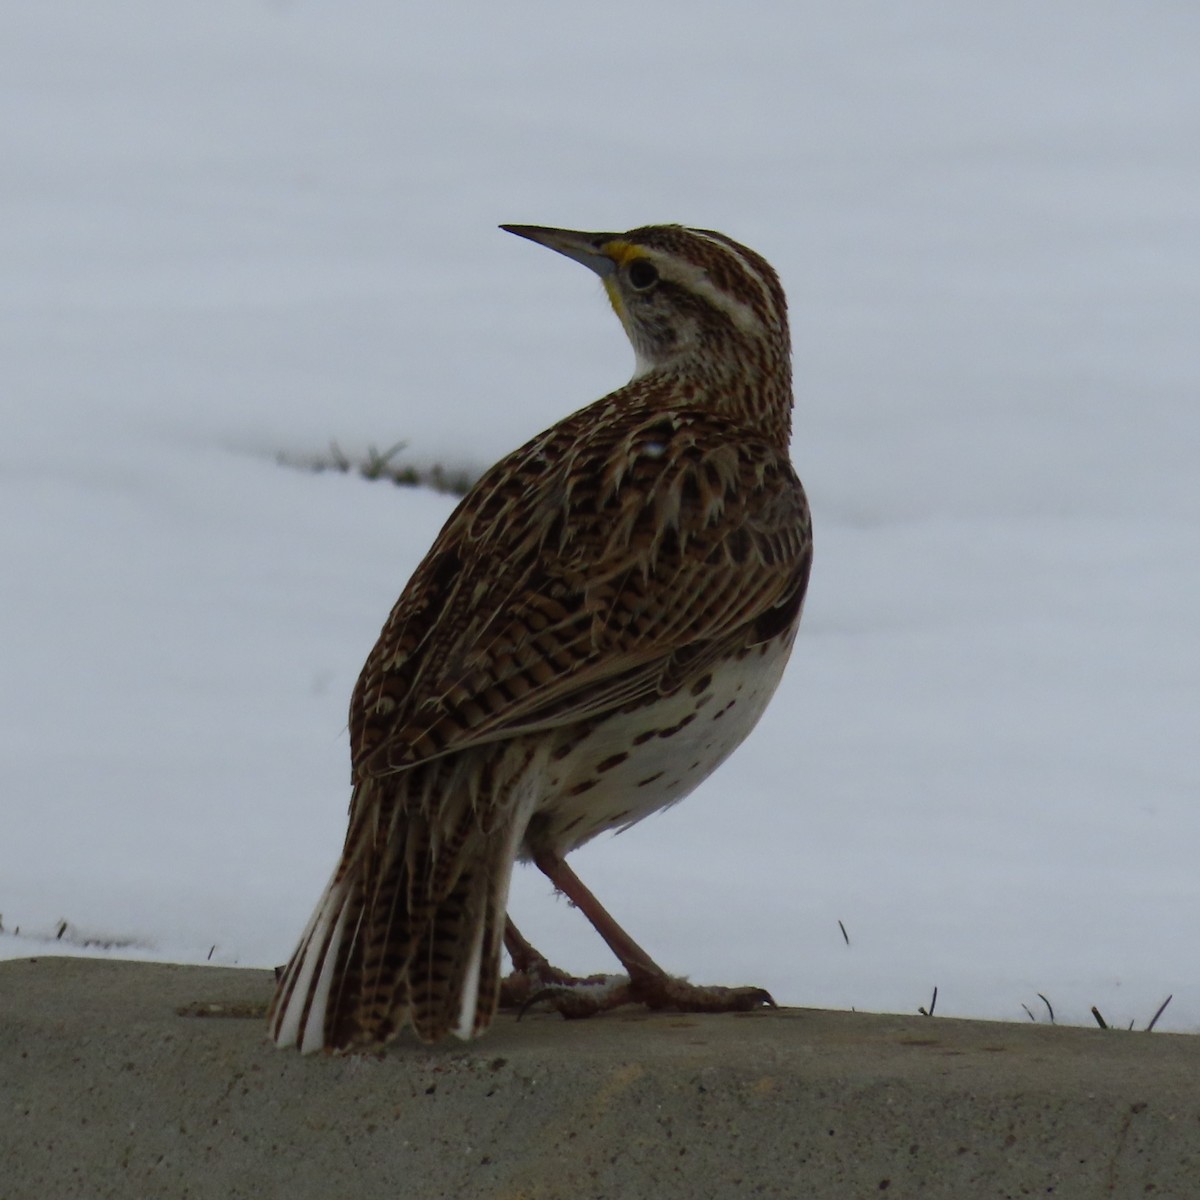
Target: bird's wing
604 561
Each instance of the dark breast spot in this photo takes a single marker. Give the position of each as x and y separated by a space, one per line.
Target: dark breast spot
580 788
613 760
702 684
650 779
674 729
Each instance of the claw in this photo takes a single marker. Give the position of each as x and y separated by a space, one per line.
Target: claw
667 992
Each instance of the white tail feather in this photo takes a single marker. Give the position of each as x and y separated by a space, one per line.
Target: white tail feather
303 994
465 1028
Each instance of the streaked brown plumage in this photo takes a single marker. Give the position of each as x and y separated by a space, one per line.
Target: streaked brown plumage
599 624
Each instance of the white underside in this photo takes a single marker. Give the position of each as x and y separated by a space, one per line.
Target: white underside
663 769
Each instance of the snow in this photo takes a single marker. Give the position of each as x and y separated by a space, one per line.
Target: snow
240 229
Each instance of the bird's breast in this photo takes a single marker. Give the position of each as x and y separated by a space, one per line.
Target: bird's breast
612 772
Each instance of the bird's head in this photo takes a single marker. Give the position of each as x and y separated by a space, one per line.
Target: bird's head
690 300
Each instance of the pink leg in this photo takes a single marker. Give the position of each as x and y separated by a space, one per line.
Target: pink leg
631 956
648 983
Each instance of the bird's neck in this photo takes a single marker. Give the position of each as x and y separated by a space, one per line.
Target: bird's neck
755 395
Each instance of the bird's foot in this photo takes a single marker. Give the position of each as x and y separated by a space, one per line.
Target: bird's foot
578 998
678 995
535 979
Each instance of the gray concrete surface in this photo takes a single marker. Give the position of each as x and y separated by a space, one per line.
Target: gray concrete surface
144 1080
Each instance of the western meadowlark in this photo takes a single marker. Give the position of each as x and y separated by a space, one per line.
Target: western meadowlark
599 624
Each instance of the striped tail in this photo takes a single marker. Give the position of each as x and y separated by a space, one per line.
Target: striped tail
408 932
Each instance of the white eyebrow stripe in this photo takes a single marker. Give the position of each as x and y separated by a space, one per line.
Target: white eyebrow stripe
695 279
731 247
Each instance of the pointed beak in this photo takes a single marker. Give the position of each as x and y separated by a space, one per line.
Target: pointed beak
584 248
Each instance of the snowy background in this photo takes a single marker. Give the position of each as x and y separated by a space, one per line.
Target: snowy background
234 229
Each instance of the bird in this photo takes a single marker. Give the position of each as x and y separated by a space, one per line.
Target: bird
601 621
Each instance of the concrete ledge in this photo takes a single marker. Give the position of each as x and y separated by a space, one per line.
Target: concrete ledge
126 1079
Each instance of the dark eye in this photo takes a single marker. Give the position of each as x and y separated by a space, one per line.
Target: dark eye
642 274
